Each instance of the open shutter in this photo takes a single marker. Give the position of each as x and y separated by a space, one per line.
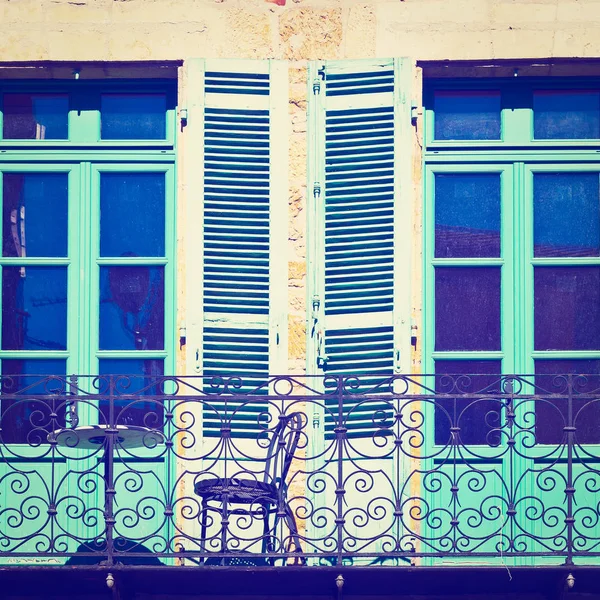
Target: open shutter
236 195
360 223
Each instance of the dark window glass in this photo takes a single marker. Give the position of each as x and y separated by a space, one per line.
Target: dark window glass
467 115
567 308
27 419
34 308
132 315
566 114
467 308
132 214
138 377
134 116
34 214
35 117
478 419
552 415
467 215
566 214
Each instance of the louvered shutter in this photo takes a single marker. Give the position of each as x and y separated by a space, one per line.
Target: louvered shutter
236 194
360 220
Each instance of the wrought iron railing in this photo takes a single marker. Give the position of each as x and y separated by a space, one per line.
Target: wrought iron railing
299 470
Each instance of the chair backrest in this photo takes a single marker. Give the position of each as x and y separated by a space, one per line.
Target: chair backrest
282 447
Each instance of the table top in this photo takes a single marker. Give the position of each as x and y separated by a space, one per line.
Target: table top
91 436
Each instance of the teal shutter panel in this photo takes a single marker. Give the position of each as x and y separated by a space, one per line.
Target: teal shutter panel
236 291
361 223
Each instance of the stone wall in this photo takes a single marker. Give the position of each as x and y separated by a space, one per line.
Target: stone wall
298 30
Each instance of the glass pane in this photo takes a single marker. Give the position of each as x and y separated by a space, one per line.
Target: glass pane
566 214
479 420
34 214
467 308
132 315
467 215
132 214
138 378
27 420
566 114
35 117
34 308
552 415
467 115
134 116
567 308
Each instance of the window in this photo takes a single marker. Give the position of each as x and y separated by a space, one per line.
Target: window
513 241
88 240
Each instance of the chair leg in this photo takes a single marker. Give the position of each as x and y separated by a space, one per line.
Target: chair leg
294 537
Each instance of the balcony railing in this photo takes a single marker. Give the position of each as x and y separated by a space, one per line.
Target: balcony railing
299 470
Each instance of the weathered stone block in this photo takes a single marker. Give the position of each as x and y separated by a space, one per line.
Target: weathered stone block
311 33
71 43
82 11
361 32
296 337
518 13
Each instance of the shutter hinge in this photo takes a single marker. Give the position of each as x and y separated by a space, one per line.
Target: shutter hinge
316 189
415 113
317 81
316 420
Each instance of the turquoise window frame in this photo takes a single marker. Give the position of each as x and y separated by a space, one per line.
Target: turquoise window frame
519 157
516 111
84 156
84 112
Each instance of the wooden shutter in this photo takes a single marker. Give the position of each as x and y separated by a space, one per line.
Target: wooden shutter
236 194
360 220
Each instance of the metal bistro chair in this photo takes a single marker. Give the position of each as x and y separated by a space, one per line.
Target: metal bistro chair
264 498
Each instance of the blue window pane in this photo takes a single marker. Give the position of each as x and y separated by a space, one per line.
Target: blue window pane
132 315
478 420
34 214
551 416
132 214
566 114
567 308
34 308
133 116
467 215
467 115
467 308
138 377
28 420
566 214
35 117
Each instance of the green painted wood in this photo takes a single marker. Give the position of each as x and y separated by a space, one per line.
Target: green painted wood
519 157
359 302
237 291
84 157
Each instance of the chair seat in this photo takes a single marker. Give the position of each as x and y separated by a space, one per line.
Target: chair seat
241 491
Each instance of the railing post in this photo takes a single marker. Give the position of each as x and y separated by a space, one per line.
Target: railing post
570 489
109 517
340 433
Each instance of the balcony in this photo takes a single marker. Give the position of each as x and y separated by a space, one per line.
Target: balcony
296 472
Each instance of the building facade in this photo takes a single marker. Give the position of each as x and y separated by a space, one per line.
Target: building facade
235 237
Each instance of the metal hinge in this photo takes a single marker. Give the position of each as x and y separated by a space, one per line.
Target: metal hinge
318 80
316 189
415 113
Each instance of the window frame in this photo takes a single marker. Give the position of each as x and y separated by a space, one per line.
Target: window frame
521 158
85 160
